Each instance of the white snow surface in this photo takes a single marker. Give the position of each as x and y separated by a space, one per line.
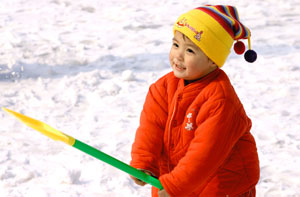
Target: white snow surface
84 67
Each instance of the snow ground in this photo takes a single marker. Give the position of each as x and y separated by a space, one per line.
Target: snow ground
84 67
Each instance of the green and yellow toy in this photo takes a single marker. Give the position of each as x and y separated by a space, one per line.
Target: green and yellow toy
60 136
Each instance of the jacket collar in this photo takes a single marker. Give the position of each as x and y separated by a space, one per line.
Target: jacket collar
199 83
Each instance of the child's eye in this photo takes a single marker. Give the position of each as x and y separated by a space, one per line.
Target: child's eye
175 45
190 51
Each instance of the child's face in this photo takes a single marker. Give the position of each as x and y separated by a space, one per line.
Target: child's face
187 60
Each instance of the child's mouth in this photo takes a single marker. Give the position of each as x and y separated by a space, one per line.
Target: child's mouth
179 67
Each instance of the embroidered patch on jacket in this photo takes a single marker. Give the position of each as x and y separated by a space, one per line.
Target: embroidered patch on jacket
189 124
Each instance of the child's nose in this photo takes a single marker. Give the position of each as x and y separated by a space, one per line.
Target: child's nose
179 56
177 60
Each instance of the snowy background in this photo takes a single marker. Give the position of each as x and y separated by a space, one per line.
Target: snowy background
84 67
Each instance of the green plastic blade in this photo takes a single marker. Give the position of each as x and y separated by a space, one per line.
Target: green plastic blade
118 164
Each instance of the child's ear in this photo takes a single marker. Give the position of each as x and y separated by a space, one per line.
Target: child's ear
212 64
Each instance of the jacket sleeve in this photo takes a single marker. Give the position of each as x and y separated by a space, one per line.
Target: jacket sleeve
148 143
220 125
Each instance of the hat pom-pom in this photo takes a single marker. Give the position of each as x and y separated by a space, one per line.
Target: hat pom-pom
239 47
250 56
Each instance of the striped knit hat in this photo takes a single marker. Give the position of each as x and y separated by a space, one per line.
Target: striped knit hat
213 29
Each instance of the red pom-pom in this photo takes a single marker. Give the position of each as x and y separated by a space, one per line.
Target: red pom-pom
239 47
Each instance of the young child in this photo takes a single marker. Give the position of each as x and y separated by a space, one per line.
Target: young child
194 134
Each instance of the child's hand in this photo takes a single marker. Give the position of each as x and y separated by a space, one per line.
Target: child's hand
163 193
138 181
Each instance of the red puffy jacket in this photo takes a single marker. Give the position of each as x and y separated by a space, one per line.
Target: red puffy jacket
196 138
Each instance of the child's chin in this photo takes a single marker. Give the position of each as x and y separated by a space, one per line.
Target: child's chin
179 74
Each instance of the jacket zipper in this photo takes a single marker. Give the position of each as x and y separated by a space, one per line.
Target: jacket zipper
169 134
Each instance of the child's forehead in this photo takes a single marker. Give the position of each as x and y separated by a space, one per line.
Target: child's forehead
178 36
